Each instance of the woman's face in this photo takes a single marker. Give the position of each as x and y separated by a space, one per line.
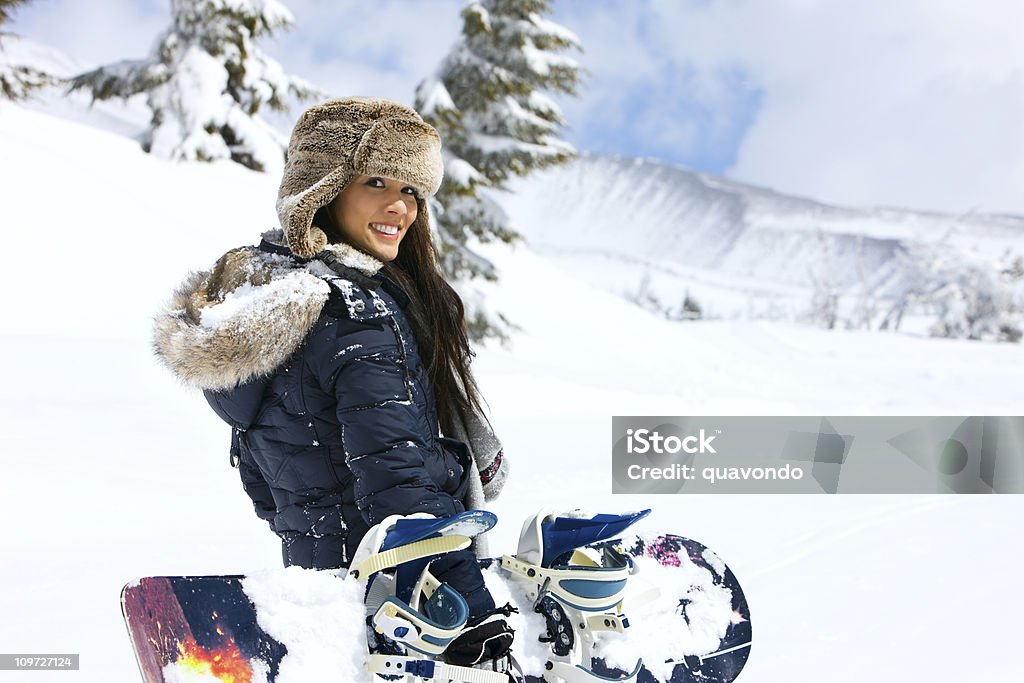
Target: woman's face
373 214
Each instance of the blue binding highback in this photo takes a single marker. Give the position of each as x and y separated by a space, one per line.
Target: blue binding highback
562 535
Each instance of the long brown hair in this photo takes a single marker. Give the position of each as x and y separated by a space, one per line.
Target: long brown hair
436 314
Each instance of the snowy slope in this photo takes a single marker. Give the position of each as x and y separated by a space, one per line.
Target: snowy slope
748 251
113 471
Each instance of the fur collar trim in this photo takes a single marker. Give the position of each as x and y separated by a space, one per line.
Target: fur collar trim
242 319
345 253
353 258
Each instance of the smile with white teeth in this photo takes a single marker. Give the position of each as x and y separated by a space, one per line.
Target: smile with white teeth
384 228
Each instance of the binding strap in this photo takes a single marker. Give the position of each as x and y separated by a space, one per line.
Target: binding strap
577 674
407 553
590 589
396 665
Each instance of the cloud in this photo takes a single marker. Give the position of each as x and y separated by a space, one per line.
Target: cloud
94 32
914 103
383 48
646 95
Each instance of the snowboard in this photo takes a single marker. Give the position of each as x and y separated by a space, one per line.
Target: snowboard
693 625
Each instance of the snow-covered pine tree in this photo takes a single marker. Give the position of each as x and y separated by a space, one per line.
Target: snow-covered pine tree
206 82
486 101
17 81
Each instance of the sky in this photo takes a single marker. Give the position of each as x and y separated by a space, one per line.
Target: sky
910 103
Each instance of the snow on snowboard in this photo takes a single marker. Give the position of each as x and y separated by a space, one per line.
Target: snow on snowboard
594 605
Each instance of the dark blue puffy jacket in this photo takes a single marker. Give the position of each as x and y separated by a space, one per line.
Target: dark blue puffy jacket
344 432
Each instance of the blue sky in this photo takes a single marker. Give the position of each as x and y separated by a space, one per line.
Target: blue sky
916 103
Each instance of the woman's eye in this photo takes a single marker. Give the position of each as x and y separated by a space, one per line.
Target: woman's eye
375 182
411 191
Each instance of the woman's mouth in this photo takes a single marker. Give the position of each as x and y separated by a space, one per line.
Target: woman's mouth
386 229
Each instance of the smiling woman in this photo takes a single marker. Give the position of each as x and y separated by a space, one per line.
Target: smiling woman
372 214
339 357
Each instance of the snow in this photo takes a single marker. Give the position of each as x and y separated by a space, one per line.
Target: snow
462 173
113 471
546 26
541 104
314 613
195 101
707 616
502 144
433 97
541 62
508 108
250 303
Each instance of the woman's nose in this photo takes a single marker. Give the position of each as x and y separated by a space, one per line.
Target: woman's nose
397 206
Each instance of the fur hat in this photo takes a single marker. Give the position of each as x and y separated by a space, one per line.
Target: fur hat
338 140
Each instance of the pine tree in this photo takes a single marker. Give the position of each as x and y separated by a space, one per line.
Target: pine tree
206 82
17 81
486 102
5 9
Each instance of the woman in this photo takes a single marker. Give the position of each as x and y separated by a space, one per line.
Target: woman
338 354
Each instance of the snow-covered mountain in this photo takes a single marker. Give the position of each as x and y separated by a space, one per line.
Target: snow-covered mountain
745 248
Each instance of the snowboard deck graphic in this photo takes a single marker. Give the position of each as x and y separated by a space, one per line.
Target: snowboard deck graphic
205 628
193 626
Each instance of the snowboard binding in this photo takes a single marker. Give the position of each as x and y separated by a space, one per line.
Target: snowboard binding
411 616
577 581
